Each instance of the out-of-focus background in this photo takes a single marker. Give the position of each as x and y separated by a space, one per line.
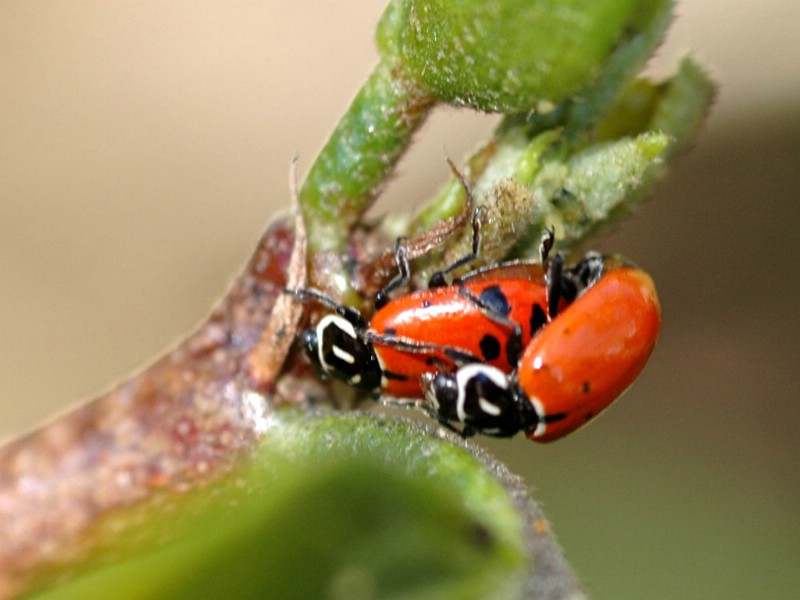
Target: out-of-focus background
144 146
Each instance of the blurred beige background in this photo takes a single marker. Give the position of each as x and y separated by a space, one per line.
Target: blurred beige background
145 145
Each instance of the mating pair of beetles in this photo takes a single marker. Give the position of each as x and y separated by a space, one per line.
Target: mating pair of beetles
539 347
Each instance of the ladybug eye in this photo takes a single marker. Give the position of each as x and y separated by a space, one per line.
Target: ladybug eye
440 390
310 344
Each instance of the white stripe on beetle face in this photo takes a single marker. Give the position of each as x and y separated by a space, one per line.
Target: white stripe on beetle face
340 324
541 426
344 355
489 408
466 374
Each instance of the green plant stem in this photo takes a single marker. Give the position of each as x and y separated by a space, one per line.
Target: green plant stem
359 156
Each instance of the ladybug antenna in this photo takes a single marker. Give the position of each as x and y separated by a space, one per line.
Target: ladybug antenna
403 273
306 295
478 215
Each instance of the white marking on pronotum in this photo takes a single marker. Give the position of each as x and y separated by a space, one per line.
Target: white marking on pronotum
489 407
465 374
541 426
344 355
331 321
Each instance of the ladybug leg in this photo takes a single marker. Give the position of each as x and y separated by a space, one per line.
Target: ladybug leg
554 269
393 402
438 278
402 277
546 244
554 284
311 295
466 431
514 345
456 355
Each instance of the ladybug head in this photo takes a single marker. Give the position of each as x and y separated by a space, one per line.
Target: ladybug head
336 349
480 397
576 280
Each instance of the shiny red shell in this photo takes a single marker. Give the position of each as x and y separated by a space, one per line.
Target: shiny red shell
591 352
445 317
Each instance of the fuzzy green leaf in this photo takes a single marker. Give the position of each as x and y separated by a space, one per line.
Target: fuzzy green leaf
534 175
341 507
511 55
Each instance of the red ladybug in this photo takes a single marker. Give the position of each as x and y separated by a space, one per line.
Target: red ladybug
487 316
572 369
488 321
480 319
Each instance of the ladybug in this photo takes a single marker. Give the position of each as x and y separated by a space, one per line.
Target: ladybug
487 316
571 370
483 320
486 320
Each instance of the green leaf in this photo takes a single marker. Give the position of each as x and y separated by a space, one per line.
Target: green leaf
534 175
598 184
648 25
510 55
676 107
335 507
685 102
574 191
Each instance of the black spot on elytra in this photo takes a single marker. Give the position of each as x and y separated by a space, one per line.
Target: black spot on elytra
538 319
555 417
494 299
490 347
395 376
426 304
586 387
390 331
